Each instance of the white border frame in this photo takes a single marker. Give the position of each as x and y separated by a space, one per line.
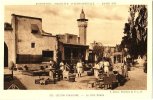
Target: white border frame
52 94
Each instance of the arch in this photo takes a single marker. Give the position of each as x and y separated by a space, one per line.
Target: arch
5 55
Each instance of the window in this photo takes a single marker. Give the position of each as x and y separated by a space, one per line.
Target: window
47 54
32 45
34 28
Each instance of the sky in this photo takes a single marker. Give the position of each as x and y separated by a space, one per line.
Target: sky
105 25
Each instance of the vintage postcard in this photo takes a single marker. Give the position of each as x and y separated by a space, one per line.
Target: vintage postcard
77 50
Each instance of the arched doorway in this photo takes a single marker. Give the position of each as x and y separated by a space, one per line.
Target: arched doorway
5 55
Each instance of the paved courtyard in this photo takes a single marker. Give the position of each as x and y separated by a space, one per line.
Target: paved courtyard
137 81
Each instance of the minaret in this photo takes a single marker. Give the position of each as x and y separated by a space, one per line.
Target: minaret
82 24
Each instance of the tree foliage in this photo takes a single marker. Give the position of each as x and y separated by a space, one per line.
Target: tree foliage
98 49
135 31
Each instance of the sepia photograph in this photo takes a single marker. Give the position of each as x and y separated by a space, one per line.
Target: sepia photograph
75 47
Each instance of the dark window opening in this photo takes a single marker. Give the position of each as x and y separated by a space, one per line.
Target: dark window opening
47 54
67 53
32 45
34 28
5 55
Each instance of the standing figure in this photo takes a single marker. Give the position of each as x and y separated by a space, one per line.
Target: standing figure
51 73
51 68
101 66
106 66
96 68
125 70
79 68
66 71
62 67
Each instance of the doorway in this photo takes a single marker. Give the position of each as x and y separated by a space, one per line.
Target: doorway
5 55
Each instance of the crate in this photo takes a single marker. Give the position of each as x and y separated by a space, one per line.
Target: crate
50 81
90 73
37 81
71 78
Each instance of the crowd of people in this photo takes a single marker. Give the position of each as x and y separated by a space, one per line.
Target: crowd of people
64 69
102 66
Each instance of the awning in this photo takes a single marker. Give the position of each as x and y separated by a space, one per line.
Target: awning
75 45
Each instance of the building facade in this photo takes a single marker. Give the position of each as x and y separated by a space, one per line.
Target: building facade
9 44
27 42
71 50
72 47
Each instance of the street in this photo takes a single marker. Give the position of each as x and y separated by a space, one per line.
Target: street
137 81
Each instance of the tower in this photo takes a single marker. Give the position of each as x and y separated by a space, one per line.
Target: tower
82 24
